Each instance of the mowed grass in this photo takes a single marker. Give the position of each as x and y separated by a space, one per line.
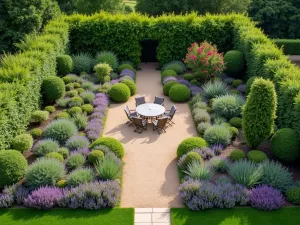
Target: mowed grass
236 216
25 216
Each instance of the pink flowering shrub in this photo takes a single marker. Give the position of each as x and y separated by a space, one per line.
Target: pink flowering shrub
204 60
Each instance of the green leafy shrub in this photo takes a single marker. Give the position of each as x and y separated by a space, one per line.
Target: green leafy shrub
88 85
62 115
214 88
199 105
13 167
119 93
39 116
64 152
60 130
82 62
55 155
113 144
131 86
80 176
195 82
75 110
36 133
237 155
62 102
199 171
257 156
69 86
190 157
50 109
64 64
218 134
87 108
246 173
236 122
285 145
290 46
114 76
177 66
75 101
189 77
293 195
95 156
234 131
80 90
53 88
67 79
262 96
102 70
80 120
228 106
168 86
61 183
220 165
166 73
87 96
125 66
44 147
234 61
249 84
75 161
107 57
109 168
203 126
237 83
22 142
77 85
44 172
189 144
179 93
106 79
201 115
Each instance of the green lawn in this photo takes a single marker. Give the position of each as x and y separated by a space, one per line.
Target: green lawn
24 216
236 216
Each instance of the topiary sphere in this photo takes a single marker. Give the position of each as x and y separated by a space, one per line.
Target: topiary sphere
13 166
166 73
236 122
237 83
36 132
257 156
234 131
22 142
62 115
113 144
64 64
62 183
95 156
119 92
249 84
189 144
195 82
285 145
168 86
131 86
67 79
75 101
53 88
179 93
190 157
125 66
293 195
50 109
235 62
75 110
237 154
64 152
189 77
55 155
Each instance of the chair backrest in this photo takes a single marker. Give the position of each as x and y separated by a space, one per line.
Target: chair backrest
159 100
140 100
138 121
161 122
126 109
172 111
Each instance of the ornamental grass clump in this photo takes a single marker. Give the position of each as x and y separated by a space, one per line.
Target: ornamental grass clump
108 168
107 57
87 96
200 171
218 134
204 60
214 88
77 142
75 160
220 165
228 106
43 198
201 116
80 176
246 173
43 147
80 120
82 62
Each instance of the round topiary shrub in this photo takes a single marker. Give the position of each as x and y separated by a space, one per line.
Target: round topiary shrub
125 66
36 133
195 82
235 62
131 86
95 156
218 134
119 93
249 84
285 145
237 83
166 73
61 183
75 161
13 167
168 86
189 77
236 122
22 142
228 106
44 147
55 155
75 110
189 158
293 195
64 152
80 176
53 88
64 64
77 85
44 172
179 93
62 115
39 116
113 144
75 101
60 130
237 154
67 79
257 156
189 144
50 109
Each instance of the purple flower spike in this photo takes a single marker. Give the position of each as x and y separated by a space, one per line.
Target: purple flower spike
127 72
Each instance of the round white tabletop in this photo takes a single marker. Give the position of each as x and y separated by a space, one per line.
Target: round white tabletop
150 110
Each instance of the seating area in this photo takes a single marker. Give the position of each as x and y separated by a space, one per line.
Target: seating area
153 113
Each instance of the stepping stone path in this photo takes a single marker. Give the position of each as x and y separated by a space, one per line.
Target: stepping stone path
152 216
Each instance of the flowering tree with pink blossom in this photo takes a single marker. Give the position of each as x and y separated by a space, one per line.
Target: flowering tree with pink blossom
205 60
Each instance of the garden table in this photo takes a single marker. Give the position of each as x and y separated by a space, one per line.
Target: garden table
150 110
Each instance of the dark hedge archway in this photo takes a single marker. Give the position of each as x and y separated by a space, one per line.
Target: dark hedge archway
149 47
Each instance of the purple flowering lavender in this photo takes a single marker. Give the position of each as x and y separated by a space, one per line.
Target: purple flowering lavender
217 148
169 79
241 88
266 198
84 151
115 81
185 82
205 152
93 196
93 129
195 90
6 200
44 198
181 161
127 72
97 115
21 194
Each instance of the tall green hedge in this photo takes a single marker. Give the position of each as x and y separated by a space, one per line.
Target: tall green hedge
21 77
290 46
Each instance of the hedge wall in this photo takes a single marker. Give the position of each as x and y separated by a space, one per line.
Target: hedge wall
290 46
122 33
21 77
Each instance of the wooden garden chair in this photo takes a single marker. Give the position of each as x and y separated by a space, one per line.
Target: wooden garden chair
141 124
130 115
140 100
159 100
160 124
170 114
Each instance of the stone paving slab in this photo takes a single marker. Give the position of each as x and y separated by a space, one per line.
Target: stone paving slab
152 216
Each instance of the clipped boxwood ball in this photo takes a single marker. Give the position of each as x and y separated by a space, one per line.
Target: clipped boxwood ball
50 109
293 195
189 144
95 156
36 132
64 64
257 156
13 166
168 73
249 84
195 82
190 157
22 142
113 144
125 66
87 108
236 122
53 88
234 61
237 154
131 86
168 86
237 83
179 93
119 93
55 155
188 77
285 145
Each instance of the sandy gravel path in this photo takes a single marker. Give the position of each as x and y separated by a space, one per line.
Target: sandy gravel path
150 174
